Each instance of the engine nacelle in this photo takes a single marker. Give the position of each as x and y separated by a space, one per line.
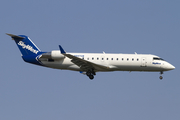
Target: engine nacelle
56 55
51 56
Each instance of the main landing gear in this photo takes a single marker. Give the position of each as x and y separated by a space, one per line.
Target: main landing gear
90 74
161 75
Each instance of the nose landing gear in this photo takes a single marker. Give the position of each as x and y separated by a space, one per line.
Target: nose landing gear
161 77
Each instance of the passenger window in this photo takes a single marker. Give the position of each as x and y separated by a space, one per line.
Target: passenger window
97 58
132 59
122 59
92 58
87 58
111 58
127 59
102 58
107 58
117 58
137 59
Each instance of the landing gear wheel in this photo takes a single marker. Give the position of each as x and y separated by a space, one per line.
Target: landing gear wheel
91 77
88 73
93 73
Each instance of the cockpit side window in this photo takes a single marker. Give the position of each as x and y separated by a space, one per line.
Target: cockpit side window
156 58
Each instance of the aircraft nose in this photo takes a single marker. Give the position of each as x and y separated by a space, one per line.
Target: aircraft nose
170 67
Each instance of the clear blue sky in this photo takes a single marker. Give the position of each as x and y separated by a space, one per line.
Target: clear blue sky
29 92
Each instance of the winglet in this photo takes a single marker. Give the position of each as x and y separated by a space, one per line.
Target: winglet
62 50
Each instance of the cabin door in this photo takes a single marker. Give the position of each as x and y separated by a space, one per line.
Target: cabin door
143 62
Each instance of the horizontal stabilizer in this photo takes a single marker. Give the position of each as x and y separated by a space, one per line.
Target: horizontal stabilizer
15 36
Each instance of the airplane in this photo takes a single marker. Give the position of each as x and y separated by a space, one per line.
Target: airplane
89 63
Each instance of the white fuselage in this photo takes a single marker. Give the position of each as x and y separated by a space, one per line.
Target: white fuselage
115 62
88 63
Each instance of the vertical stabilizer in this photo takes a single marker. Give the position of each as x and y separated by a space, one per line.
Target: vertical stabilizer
29 50
25 45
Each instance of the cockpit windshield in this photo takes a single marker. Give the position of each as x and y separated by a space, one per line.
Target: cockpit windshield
156 58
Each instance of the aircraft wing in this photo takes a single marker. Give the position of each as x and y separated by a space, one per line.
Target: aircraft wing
83 64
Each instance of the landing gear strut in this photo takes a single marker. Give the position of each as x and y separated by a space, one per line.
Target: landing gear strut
90 74
161 75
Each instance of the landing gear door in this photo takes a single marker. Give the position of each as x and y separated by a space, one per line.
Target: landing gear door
143 62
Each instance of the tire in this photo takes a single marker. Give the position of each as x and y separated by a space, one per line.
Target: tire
88 73
91 77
